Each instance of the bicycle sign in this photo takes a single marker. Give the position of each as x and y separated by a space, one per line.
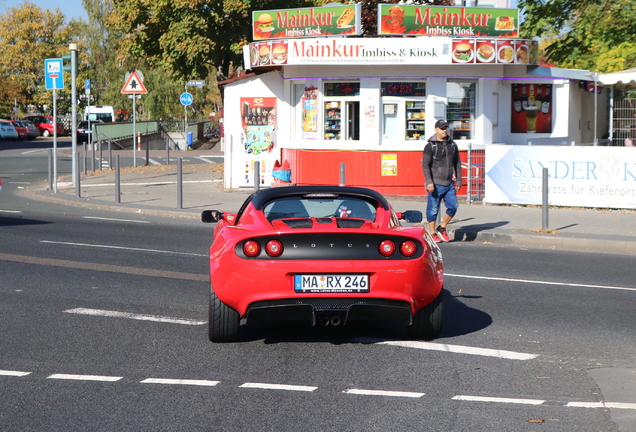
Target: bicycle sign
186 99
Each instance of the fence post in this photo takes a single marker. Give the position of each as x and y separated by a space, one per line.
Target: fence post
343 173
78 189
50 170
544 204
257 175
469 177
117 180
180 183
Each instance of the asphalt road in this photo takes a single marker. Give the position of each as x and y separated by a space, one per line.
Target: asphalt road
103 322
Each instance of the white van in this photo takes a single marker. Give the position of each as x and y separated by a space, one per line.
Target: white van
100 112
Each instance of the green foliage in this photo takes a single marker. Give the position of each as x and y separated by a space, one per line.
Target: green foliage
187 39
28 36
596 35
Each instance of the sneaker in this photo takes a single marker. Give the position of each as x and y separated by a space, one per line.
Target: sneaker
436 238
441 232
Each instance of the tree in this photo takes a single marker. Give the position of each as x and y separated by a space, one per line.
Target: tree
28 35
188 39
597 35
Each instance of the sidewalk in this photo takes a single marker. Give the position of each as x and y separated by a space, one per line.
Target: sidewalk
153 190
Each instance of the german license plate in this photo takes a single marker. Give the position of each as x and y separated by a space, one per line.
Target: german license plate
331 283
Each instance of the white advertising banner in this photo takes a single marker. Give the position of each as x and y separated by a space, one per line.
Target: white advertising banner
599 176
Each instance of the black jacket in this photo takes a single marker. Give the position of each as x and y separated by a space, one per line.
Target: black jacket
441 161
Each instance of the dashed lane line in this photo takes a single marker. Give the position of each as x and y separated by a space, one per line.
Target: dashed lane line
180 382
85 377
384 393
13 373
265 386
538 282
364 392
499 400
459 349
134 316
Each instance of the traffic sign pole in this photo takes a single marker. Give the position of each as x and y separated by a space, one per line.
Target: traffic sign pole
54 141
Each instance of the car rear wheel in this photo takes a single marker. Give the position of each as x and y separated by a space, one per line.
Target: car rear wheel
223 324
46 133
427 322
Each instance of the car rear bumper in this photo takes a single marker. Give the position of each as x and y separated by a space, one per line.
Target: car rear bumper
330 311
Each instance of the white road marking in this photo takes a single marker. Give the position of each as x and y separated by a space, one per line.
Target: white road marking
618 405
179 381
115 314
114 219
85 377
459 349
541 282
498 400
10 211
278 387
13 373
383 393
34 151
123 248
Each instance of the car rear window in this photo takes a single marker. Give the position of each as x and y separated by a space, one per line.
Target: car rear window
302 207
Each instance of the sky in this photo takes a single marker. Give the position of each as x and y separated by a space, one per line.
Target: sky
70 8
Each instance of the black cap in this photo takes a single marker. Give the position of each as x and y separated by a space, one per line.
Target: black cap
441 124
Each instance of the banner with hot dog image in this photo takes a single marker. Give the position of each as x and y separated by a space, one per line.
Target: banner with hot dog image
341 20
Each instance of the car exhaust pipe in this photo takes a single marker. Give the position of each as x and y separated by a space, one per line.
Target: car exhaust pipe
335 321
324 321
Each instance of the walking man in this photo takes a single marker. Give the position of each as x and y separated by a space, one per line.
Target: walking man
443 177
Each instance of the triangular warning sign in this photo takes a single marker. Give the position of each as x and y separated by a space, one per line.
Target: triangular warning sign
134 85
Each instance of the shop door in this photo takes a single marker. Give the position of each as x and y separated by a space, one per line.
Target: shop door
353 120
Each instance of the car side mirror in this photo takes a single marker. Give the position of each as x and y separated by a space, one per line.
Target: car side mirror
412 216
211 216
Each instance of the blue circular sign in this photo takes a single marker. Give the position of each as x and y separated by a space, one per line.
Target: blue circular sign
186 99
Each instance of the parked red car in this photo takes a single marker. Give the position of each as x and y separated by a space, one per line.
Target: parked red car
20 129
45 124
325 255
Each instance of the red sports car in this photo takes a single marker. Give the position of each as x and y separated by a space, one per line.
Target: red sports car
326 255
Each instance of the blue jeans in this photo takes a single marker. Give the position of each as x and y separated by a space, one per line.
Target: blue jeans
446 193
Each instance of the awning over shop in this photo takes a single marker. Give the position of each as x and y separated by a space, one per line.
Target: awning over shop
626 77
553 72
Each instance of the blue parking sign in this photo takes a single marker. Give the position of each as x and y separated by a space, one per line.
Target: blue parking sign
53 74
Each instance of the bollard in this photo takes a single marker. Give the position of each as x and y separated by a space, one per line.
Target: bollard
257 175
343 173
93 157
117 181
544 205
78 189
84 159
50 169
180 183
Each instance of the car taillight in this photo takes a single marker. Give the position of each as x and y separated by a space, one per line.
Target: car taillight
274 248
251 248
408 248
387 248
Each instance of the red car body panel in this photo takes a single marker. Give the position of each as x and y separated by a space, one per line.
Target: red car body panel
21 130
417 282
321 245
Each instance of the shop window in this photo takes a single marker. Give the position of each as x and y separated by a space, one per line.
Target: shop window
404 109
341 111
460 113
